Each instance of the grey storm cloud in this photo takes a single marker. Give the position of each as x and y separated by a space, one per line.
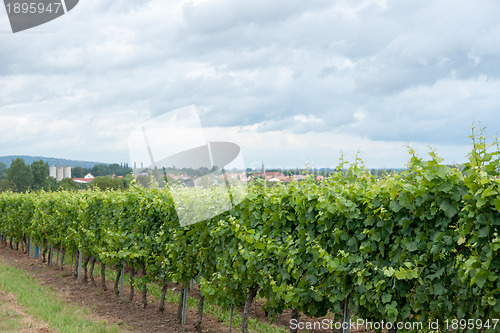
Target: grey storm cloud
392 71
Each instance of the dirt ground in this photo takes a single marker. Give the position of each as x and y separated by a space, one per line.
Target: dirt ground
129 315
105 305
11 310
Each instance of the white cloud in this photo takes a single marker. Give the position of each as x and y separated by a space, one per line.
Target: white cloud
280 148
378 73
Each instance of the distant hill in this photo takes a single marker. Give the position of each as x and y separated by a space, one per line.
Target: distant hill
50 160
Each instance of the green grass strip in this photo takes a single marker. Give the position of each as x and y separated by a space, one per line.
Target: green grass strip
9 321
41 302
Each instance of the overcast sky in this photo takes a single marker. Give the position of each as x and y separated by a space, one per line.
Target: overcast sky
292 82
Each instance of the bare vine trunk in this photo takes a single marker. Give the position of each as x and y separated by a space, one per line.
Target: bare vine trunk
49 255
144 287
197 326
295 315
252 292
44 252
85 271
132 274
231 317
91 273
163 293
179 309
63 254
103 276
117 280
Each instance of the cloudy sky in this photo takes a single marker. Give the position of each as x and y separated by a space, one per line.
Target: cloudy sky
293 82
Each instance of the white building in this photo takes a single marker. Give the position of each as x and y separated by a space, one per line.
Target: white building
59 173
85 180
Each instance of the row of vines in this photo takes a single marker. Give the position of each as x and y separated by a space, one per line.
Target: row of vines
416 246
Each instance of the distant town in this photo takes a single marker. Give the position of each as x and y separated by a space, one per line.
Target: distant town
18 176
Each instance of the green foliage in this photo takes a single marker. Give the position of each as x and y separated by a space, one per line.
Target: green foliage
20 175
78 172
40 172
100 170
3 170
67 184
107 183
6 185
127 180
51 184
149 181
422 244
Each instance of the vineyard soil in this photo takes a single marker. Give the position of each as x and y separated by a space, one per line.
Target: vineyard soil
129 315
14 318
106 305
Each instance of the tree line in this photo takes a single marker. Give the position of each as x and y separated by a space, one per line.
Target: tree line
22 177
100 170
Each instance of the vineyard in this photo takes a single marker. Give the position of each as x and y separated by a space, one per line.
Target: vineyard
416 246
